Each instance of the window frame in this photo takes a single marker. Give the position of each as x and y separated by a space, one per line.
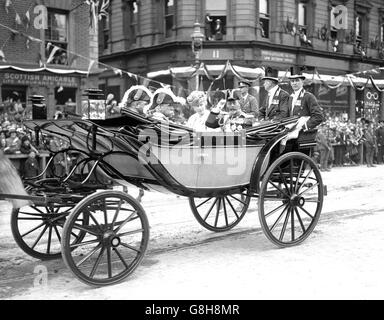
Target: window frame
267 18
169 16
58 43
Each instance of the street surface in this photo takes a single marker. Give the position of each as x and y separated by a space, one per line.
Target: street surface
341 259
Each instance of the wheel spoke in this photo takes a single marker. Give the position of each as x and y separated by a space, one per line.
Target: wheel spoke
130 247
291 177
39 237
299 218
210 209
105 214
116 214
57 233
283 179
109 262
278 188
306 212
217 212
93 219
233 209
299 175
292 225
89 255
34 229
125 222
76 226
305 179
49 240
121 258
284 225
82 244
225 213
309 189
278 219
244 203
274 210
204 202
130 232
93 271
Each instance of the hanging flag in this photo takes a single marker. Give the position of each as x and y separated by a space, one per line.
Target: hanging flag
7 5
28 19
52 54
2 56
93 12
339 17
18 19
104 9
91 63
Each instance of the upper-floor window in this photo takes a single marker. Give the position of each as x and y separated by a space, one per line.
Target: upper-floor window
359 28
302 17
382 32
56 37
134 20
169 15
105 27
264 17
217 23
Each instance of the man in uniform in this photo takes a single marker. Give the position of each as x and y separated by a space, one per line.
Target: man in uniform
380 142
303 103
236 120
248 103
275 104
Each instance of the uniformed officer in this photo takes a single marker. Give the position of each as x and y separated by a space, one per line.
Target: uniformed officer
275 104
303 103
248 103
235 120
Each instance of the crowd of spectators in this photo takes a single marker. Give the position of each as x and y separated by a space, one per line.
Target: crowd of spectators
341 142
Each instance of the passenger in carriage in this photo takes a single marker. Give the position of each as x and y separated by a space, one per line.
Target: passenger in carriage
136 99
236 119
162 105
275 105
198 101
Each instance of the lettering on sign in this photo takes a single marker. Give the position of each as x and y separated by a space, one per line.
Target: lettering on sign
274 56
38 79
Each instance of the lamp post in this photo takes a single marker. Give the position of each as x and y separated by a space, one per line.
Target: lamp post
197 47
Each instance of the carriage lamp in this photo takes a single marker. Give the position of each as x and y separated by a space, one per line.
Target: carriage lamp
39 108
93 105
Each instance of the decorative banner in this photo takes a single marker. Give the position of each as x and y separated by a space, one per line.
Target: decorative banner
53 52
104 9
2 56
18 19
91 63
28 19
7 5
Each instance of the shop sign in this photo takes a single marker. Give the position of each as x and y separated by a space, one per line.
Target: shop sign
274 56
38 79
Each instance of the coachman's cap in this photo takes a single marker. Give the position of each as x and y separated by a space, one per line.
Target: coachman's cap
162 96
232 95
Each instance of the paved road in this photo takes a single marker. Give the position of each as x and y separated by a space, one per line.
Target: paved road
341 259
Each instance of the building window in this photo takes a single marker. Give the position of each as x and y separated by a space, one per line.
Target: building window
134 20
359 28
56 37
302 17
169 17
217 11
105 26
264 17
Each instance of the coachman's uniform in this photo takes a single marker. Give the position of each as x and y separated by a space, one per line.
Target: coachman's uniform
278 108
306 105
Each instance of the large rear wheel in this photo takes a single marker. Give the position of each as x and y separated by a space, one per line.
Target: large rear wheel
290 199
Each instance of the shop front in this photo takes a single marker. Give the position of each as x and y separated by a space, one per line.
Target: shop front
61 88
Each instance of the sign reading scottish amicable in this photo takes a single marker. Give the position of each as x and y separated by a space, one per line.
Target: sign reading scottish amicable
19 78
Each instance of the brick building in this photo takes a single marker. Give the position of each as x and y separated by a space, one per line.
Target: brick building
147 37
51 60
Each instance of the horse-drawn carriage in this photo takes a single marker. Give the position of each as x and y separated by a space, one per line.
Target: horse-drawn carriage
102 234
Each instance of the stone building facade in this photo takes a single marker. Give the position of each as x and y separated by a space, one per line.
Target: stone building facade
146 37
47 57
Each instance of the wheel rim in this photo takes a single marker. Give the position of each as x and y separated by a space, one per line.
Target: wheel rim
290 199
220 213
115 239
38 229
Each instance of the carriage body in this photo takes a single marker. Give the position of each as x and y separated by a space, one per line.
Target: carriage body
219 173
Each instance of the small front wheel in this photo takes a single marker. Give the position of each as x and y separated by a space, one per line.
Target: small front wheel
290 199
115 240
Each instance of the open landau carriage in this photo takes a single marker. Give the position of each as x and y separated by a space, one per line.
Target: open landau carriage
102 234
